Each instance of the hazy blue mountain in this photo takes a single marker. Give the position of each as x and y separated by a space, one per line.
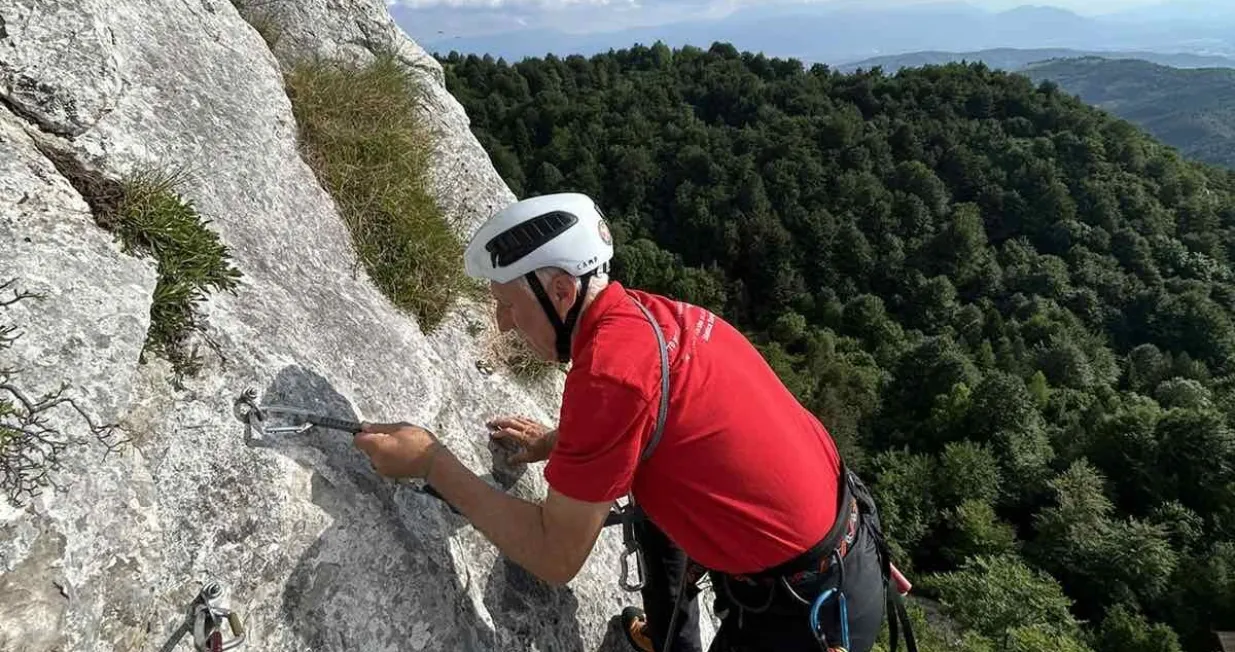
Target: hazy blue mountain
841 33
1192 110
1013 59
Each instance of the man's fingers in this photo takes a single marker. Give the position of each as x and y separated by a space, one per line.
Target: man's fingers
523 431
371 442
499 421
510 421
519 436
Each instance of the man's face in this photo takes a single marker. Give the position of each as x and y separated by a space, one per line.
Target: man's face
518 308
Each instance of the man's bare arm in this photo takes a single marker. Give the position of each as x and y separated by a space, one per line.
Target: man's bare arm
551 541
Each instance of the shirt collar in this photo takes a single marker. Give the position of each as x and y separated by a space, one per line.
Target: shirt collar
589 321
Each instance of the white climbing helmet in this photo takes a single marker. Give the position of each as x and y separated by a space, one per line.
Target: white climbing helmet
565 230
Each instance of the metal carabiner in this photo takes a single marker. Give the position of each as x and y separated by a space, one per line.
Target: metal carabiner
207 629
631 587
627 516
843 606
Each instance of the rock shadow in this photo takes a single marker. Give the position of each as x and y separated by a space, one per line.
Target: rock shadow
380 576
531 614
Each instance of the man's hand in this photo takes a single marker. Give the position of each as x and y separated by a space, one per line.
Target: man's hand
536 441
552 541
398 450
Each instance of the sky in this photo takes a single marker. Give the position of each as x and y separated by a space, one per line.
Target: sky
1079 6
434 19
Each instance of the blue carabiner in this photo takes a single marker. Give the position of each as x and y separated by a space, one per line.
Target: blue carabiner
844 615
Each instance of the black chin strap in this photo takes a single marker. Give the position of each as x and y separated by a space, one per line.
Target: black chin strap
563 329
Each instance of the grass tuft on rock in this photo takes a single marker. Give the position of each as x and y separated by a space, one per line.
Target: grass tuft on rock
151 218
148 217
360 134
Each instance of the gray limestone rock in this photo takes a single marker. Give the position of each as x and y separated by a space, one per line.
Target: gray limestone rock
313 549
57 66
85 330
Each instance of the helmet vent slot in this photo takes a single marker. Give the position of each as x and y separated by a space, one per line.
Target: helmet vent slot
514 243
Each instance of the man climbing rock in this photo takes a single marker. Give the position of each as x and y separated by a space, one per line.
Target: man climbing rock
669 405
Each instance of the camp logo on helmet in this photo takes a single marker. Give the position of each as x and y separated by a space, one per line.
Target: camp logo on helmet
604 231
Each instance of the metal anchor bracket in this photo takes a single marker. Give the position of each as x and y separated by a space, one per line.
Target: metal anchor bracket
208 621
204 621
285 419
281 419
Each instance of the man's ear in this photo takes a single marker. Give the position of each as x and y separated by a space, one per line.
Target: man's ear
564 291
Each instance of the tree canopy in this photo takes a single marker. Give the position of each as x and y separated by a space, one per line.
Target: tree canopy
1013 311
1189 108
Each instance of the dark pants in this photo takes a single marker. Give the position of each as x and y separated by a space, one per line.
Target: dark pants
759 618
784 626
665 563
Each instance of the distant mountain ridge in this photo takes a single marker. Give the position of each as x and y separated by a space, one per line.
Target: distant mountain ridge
836 33
1170 39
1015 59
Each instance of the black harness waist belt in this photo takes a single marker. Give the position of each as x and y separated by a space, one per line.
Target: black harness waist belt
818 559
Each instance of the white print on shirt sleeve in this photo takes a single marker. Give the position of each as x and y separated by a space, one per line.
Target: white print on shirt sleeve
703 327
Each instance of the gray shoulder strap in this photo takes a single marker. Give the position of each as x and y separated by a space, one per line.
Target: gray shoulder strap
664 383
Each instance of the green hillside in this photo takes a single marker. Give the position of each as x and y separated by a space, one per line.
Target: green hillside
1013 310
1192 110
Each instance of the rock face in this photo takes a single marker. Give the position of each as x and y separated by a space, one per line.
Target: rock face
311 547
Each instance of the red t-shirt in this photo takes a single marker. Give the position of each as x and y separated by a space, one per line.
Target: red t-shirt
744 477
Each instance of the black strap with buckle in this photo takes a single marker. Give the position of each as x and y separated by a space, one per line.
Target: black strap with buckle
631 513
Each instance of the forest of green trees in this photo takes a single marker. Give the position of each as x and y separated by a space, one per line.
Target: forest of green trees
1192 110
1013 311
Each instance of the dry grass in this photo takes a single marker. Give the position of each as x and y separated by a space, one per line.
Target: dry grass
360 133
508 350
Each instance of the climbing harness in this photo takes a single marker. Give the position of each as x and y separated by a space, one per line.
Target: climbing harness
895 584
205 622
283 419
630 513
